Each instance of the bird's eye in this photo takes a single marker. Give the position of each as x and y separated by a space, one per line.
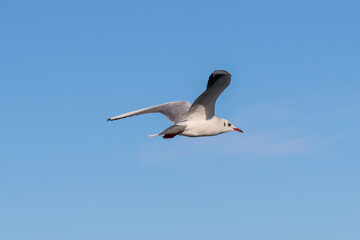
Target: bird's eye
224 124
229 124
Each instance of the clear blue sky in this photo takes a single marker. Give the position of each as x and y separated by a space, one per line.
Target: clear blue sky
66 173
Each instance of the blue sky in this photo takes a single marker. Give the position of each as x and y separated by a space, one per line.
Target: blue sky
66 173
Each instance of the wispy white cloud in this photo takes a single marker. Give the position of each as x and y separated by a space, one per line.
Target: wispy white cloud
272 143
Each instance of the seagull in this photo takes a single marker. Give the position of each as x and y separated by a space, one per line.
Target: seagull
193 120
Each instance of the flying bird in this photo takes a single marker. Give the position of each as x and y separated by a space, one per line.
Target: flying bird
193 120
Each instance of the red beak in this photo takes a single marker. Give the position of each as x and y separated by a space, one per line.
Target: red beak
239 130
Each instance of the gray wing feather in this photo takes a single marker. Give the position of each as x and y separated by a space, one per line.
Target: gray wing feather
174 111
204 105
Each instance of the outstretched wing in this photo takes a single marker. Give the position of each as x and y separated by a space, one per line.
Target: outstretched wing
204 105
174 111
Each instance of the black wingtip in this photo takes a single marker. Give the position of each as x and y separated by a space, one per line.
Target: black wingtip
215 76
109 119
220 72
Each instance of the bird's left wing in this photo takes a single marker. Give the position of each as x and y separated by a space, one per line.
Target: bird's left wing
204 105
174 111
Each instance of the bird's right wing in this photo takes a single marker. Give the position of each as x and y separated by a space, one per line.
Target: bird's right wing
204 106
174 111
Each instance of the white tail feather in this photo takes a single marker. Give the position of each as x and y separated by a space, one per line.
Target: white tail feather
154 135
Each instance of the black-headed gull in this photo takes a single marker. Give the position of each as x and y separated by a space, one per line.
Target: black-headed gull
194 120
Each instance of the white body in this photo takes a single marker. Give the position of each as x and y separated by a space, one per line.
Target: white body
200 128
